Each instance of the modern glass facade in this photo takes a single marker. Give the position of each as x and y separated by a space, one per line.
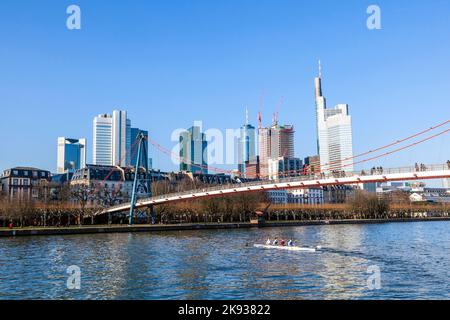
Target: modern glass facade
246 147
71 154
193 151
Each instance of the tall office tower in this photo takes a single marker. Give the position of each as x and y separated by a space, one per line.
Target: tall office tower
282 141
102 140
112 139
246 146
120 142
274 142
264 151
193 151
334 133
71 154
134 146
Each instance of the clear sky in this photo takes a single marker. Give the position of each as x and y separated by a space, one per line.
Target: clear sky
171 62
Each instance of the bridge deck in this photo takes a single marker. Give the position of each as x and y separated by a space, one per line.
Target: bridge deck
299 182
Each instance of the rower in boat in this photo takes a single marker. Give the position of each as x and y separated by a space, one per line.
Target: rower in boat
290 243
268 242
275 242
282 243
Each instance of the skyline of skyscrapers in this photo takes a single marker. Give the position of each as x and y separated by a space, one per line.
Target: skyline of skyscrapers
71 154
334 132
273 146
193 150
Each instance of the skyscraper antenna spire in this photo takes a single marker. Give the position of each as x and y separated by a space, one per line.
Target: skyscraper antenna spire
246 115
320 69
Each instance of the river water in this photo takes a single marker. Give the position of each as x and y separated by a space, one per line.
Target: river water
412 259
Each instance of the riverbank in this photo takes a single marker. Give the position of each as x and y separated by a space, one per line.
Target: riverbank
48 231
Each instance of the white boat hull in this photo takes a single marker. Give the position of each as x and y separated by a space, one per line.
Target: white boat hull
265 246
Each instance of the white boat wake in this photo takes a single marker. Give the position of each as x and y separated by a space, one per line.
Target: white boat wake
288 248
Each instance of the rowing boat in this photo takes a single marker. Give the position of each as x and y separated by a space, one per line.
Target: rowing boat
292 248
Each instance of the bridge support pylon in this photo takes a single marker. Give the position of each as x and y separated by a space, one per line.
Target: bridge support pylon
141 160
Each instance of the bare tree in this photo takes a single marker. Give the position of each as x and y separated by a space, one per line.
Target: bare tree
81 193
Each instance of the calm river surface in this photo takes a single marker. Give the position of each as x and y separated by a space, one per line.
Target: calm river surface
413 258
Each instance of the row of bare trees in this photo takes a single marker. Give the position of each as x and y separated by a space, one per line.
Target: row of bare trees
362 205
63 206
77 205
233 208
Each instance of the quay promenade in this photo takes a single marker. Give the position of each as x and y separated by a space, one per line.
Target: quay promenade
46 231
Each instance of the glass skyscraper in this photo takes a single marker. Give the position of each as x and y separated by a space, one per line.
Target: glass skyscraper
71 154
193 151
246 146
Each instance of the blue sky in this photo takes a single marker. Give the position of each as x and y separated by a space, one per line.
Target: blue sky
171 62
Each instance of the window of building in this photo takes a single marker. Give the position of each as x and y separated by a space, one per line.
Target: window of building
15 172
35 174
15 182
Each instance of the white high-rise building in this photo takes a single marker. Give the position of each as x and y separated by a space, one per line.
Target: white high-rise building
102 140
334 133
121 138
71 154
112 139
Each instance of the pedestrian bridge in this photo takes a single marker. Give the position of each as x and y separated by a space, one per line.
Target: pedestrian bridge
422 172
